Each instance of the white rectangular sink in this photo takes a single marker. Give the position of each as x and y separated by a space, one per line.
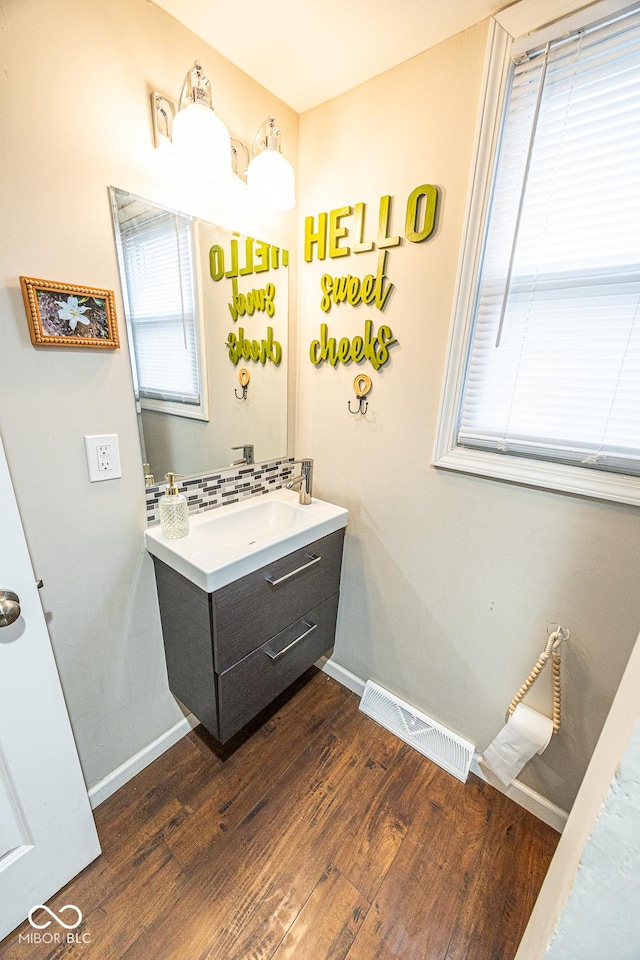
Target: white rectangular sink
227 543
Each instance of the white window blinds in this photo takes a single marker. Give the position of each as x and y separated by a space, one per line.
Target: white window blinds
158 264
553 370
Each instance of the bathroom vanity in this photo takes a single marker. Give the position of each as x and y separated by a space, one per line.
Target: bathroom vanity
248 602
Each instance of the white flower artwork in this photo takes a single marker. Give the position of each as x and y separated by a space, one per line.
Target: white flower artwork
82 317
72 312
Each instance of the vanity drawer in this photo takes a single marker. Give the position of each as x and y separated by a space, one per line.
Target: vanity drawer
250 611
252 684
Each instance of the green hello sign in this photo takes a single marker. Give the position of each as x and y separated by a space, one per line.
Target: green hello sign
341 232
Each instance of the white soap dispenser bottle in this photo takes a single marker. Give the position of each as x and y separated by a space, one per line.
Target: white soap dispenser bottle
174 511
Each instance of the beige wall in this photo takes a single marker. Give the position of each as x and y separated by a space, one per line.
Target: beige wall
74 93
449 580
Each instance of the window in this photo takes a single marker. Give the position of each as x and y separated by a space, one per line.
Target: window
158 263
543 381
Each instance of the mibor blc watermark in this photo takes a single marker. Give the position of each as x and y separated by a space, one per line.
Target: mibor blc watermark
40 932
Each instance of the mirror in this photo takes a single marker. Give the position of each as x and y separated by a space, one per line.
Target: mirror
207 322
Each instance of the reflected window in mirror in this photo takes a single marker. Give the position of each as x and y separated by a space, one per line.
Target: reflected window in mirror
158 262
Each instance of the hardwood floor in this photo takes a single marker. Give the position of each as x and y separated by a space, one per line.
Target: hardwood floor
318 837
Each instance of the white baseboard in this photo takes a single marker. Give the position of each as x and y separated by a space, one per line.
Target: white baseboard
524 796
342 675
103 789
127 770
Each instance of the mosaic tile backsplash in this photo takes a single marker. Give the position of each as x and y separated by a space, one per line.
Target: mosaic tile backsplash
224 486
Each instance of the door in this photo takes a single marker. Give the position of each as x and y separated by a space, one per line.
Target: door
47 832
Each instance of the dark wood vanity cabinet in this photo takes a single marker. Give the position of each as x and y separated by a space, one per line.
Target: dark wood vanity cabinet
231 652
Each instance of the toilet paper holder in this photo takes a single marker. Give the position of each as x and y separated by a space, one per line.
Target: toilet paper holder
557 634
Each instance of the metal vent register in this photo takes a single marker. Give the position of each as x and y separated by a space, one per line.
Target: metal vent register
425 735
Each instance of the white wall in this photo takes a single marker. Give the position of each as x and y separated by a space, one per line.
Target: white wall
75 114
449 581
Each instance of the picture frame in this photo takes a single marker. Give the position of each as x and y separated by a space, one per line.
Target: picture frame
69 315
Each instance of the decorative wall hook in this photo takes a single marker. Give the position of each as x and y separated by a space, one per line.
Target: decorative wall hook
362 405
243 376
362 386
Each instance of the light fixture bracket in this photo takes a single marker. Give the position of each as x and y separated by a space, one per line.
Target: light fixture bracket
267 138
196 88
163 110
239 158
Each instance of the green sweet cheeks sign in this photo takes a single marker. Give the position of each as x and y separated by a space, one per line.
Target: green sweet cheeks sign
342 232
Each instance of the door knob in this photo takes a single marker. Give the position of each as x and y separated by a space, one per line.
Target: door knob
9 607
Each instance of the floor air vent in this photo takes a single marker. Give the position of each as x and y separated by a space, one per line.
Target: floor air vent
430 738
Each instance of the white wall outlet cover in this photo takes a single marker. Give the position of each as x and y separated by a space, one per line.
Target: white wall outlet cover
103 457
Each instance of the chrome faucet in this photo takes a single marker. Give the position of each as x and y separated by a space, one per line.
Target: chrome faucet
304 480
247 454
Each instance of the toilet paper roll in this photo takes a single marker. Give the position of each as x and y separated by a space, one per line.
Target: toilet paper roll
527 732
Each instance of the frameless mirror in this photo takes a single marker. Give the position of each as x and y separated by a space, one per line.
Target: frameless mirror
207 319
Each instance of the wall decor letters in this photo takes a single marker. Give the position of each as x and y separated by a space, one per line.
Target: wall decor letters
341 232
422 205
244 260
257 350
353 290
267 257
371 347
260 300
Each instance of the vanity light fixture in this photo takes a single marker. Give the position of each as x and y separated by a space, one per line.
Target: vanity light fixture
198 132
194 128
270 176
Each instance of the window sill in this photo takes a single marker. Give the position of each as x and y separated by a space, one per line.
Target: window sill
548 476
189 411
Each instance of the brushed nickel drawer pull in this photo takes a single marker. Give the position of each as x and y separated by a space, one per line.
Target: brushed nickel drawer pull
313 558
311 626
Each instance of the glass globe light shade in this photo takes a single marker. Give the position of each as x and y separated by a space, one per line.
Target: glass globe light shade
271 181
200 136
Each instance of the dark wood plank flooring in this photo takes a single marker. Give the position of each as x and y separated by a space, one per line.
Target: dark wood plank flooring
315 835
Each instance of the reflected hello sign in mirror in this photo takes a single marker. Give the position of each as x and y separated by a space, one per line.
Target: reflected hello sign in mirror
202 305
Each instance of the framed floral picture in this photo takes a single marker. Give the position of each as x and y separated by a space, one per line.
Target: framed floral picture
65 315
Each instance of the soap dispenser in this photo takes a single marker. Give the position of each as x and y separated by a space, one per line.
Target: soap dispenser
174 511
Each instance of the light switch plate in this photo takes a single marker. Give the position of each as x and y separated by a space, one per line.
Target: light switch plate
103 457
